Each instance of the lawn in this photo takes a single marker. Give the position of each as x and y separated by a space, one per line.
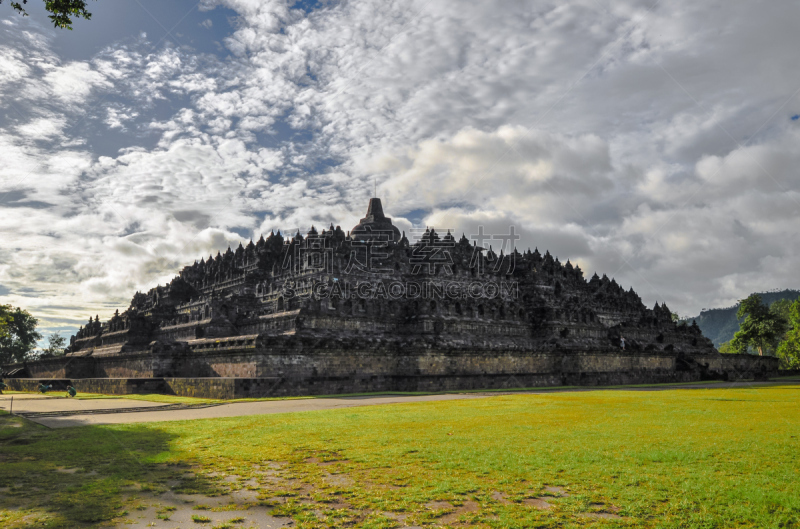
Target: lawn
701 458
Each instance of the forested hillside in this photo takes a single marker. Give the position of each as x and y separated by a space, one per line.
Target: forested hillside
719 325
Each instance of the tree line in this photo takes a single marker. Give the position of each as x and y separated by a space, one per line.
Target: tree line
18 337
768 330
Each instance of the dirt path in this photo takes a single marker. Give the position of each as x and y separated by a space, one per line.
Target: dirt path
102 411
234 410
26 403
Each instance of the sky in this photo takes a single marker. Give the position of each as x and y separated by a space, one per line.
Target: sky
655 142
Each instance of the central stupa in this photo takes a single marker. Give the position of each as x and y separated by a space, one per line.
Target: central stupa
375 224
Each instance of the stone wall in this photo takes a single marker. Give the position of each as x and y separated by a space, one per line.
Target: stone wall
120 386
128 365
32 385
284 366
221 387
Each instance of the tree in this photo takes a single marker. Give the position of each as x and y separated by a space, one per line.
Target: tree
60 11
20 336
789 349
761 329
725 348
5 319
55 346
783 307
680 321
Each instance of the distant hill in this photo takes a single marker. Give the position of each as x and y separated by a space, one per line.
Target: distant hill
719 325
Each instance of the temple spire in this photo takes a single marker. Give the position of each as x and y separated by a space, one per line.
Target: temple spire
375 210
375 223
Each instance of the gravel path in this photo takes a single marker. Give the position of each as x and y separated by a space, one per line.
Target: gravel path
64 413
30 403
230 410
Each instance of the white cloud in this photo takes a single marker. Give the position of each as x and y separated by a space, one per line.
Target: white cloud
73 82
505 168
12 66
42 128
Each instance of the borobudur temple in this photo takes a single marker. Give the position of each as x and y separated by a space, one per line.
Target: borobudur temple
373 310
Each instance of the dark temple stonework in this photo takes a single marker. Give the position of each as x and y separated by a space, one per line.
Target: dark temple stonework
371 311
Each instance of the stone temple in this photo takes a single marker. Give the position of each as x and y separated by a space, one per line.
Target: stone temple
374 310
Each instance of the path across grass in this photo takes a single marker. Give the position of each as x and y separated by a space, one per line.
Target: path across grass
705 458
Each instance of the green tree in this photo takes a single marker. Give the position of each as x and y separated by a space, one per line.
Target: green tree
789 349
762 328
783 307
60 11
725 348
5 319
20 337
55 346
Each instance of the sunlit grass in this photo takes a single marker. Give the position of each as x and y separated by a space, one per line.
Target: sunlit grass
702 458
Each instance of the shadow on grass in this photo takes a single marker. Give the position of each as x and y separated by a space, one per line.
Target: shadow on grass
79 477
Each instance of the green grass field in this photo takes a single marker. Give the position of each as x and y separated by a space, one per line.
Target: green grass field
704 458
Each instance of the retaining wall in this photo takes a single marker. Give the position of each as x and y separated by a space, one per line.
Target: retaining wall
247 367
